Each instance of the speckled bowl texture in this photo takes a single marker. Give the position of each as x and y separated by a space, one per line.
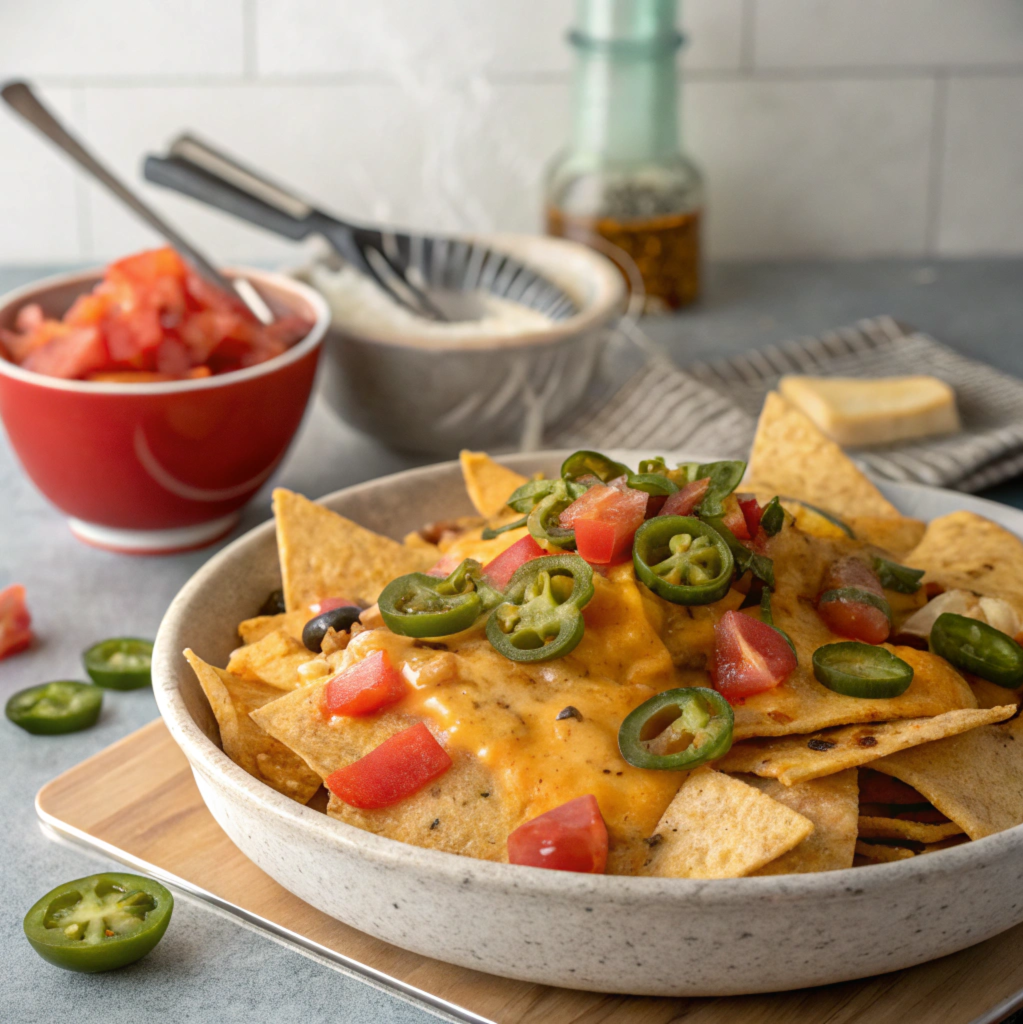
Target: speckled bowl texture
643 936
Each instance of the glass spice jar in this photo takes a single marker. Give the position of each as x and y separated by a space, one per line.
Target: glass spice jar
623 185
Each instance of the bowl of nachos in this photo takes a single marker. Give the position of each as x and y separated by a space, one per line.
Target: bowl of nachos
622 721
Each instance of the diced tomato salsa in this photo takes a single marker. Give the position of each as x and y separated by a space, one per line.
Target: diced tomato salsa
605 520
151 318
572 837
15 621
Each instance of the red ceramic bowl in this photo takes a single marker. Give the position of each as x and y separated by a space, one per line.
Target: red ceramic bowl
148 468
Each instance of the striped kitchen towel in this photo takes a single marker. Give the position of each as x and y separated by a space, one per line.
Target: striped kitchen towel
712 408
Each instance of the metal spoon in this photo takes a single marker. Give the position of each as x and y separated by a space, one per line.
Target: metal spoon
20 98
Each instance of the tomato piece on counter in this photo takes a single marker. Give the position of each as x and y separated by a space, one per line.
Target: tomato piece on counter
99 923
572 837
399 767
364 688
751 512
501 569
605 520
15 621
852 602
749 657
684 501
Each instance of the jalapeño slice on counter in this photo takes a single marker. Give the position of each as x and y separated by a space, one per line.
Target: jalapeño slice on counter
978 648
541 615
683 560
419 605
861 670
121 663
100 922
677 730
55 708
899 578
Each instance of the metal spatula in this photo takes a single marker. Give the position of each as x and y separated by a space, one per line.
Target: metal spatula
419 272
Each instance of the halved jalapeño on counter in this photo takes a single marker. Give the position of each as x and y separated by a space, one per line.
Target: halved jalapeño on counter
899 578
55 708
976 647
541 615
861 670
418 605
683 560
677 730
121 663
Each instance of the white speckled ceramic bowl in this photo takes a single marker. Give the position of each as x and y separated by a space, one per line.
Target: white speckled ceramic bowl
608 934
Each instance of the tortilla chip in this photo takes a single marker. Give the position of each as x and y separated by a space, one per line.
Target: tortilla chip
325 555
831 804
990 695
253 630
263 757
718 827
791 457
899 828
488 482
275 660
975 780
898 536
793 759
968 552
879 853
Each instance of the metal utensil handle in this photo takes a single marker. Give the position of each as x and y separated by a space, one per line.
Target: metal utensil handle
23 101
188 179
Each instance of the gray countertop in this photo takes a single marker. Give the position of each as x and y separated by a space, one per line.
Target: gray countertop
209 968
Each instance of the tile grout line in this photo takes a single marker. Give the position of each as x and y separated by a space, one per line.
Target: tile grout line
935 178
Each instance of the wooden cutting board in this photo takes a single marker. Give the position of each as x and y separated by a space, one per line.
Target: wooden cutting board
137 802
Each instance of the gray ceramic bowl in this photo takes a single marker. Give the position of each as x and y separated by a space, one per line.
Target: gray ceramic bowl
608 934
476 392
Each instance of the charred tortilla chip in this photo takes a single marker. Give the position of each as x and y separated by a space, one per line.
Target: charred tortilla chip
964 551
791 457
975 779
899 828
719 827
325 555
488 482
275 660
263 757
793 759
831 804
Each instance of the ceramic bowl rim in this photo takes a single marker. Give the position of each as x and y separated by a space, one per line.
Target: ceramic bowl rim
281 282
208 759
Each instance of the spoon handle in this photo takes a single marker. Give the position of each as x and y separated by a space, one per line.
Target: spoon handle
21 99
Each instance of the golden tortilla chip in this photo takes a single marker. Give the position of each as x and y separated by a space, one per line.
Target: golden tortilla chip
275 659
896 535
793 759
718 827
898 828
975 779
791 457
488 482
968 552
253 630
990 695
832 805
325 555
263 757
879 853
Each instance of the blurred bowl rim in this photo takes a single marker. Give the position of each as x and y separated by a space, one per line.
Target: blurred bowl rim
610 296
281 282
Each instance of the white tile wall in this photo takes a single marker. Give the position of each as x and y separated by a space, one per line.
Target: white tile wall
844 128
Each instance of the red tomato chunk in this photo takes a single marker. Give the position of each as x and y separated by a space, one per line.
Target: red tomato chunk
399 767
364 688
572 837
15 621
749 657
605 520
751 512
734 518
684 501
151 318
501 569
857 620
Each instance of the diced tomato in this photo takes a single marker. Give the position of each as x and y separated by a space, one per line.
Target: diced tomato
399 767
751 512
445 567
854 619
501 569
364 688
328 604
572 837
749 657
734 519
605 520
684 501
15 621
72 353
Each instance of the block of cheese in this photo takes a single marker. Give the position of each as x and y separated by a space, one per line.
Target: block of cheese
856 411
